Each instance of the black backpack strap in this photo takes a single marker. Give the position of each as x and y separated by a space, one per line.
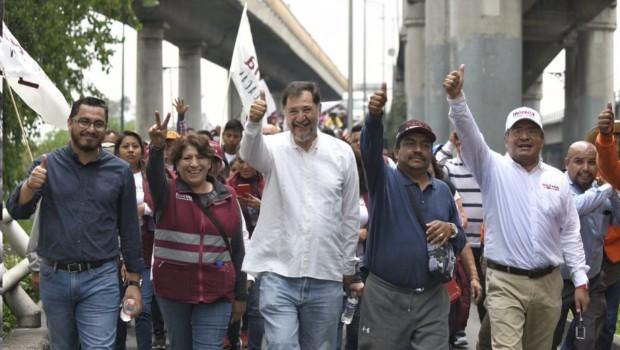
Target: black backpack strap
216 223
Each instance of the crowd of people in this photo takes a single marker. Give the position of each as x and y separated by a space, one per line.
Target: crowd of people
305 240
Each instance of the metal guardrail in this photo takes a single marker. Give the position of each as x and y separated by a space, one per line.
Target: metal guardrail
26 311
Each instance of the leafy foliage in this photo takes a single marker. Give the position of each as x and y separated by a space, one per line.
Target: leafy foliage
65 37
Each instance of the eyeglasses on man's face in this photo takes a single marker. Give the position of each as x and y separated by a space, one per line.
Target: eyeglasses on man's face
85 123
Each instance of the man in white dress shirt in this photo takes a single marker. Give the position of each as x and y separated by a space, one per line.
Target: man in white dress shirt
303 246
531 226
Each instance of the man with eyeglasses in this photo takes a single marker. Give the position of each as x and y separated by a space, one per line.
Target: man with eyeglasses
531 226
303 246
87 202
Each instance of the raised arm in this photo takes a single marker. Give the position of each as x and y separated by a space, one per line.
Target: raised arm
607 155
371 141
474 150
253 148
181 107
155 173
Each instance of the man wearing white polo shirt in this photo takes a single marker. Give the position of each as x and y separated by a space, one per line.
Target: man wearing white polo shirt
531 226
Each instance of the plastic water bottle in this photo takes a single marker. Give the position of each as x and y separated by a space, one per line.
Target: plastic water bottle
349 310
129 307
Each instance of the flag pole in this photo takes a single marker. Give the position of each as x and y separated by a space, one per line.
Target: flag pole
226 91
19 119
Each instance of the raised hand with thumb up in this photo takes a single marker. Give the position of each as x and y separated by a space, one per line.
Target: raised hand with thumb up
377 102
453 83
258 108
38 176
606 120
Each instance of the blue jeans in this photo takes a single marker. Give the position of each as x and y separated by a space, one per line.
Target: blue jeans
605 339
256 328
300 313
144 325
81 307
195 326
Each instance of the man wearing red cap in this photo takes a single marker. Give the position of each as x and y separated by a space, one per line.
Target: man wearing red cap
404 304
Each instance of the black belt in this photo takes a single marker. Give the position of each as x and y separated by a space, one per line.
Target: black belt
76 266
538 273
416 291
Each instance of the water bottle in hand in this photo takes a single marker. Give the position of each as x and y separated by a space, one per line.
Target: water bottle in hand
349 310
129 307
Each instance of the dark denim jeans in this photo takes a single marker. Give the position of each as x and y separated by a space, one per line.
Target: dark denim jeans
256 327
195 326
612 295
144 325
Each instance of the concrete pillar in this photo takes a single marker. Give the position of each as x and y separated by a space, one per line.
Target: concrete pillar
532 96
398 110
486 36
589 75
414 58
189 82
149 88
437 65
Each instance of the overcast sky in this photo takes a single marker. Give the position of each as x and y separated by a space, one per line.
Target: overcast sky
326 21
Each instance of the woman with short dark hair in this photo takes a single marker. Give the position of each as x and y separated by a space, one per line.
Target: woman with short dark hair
198 248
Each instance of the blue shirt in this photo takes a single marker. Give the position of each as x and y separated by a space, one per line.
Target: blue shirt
84 209
597 207
396 248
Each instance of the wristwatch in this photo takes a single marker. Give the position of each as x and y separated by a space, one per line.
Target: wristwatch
454 230
137 283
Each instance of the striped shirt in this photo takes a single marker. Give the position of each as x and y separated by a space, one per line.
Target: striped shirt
468 189
471 198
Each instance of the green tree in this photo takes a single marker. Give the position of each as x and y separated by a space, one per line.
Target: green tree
65 37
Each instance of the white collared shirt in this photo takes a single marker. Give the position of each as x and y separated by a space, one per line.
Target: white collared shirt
530 218
309 217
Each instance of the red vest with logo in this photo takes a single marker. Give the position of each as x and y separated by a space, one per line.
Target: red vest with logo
191 262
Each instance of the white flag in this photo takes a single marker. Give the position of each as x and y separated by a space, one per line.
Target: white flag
30 82
244 66
271 103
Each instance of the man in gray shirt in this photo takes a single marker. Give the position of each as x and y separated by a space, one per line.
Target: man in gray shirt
596 205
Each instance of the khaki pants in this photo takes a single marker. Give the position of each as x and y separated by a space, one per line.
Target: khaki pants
523 311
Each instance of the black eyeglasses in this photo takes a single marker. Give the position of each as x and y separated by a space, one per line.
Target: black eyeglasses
85 123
